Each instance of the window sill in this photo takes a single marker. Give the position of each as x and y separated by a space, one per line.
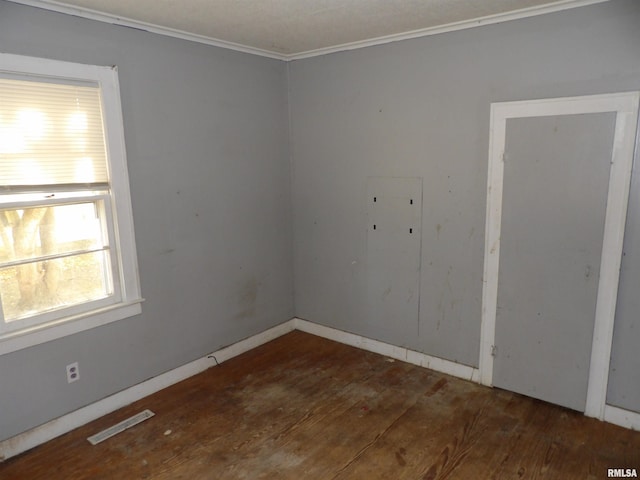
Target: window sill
14 341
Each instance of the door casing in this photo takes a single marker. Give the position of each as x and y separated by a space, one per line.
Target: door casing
625 106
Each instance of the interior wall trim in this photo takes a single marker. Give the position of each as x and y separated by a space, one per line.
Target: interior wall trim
450 27
392 351
32 438
84 12
621 417
625 105
36 436
90 14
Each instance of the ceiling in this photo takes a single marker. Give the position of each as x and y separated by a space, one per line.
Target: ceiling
289 29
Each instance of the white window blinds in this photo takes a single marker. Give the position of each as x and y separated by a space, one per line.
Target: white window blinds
51 134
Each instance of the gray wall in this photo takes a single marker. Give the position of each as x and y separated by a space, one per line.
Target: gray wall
420 108
208 151
207 142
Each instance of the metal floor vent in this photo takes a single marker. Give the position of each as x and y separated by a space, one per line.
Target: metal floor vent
120 427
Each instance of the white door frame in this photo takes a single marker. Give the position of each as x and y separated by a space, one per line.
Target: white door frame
625 105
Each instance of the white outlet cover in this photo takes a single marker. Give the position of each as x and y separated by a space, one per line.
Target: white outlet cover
73 372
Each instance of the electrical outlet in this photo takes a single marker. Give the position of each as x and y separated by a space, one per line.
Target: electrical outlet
73 372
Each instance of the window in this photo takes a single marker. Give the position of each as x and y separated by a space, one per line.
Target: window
67 248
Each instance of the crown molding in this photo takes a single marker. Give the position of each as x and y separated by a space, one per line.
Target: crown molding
60 7
449 27
90 14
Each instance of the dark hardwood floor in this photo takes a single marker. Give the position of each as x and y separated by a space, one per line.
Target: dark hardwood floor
302 407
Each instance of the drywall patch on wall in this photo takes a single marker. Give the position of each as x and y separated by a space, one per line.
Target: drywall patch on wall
394 215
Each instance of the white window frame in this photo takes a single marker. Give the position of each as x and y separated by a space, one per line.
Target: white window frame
127 299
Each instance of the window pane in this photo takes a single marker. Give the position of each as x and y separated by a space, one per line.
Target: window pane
50 134
32 233
38 287
67 247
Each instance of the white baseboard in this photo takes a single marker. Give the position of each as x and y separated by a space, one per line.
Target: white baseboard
615 415
399 353
621 417
59 426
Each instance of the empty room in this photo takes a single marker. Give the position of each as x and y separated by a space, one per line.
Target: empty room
330 239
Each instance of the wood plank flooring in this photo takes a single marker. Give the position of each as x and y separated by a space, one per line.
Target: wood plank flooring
302 407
